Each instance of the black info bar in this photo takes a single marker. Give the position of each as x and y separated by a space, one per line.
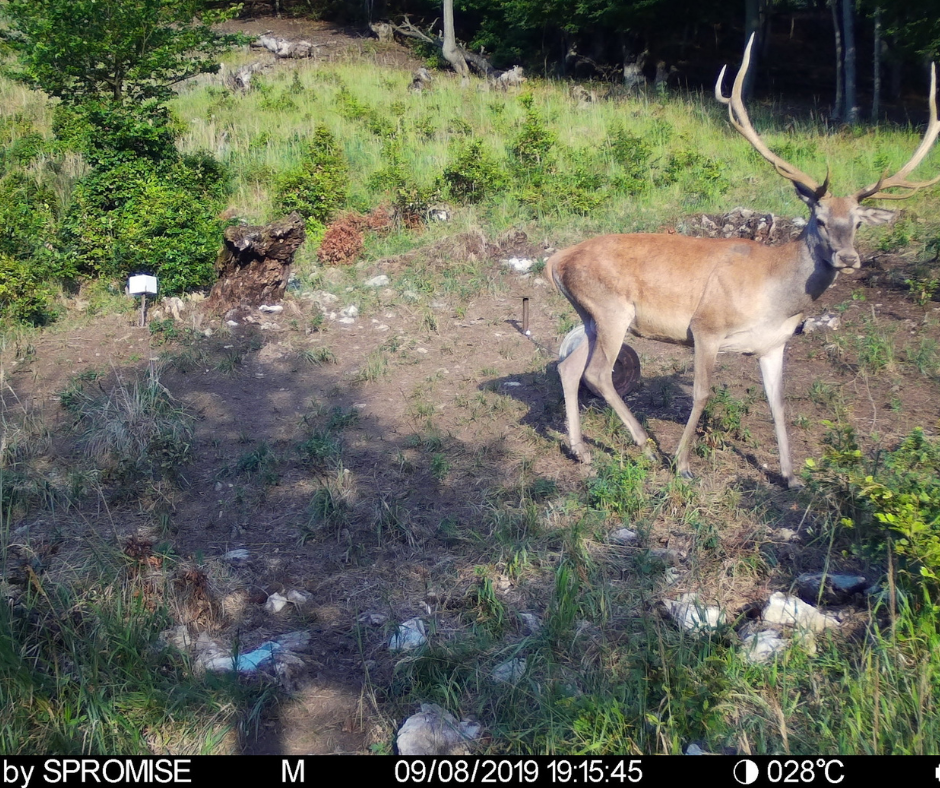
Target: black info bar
268 770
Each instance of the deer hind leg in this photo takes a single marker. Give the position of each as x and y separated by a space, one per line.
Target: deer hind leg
771 367
605 348
706 352
570 371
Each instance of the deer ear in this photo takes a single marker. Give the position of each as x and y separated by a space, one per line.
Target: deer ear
875 215
806 194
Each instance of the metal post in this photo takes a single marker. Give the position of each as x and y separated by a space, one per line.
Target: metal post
525 316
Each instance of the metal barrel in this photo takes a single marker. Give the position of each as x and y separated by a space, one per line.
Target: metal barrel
626 372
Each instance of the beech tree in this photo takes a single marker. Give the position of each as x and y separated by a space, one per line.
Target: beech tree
124 52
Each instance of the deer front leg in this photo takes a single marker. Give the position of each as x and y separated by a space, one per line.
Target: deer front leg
771 367
706 351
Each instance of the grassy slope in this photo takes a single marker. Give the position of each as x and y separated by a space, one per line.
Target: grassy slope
603 675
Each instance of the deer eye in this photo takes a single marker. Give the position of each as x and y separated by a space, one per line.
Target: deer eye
857 225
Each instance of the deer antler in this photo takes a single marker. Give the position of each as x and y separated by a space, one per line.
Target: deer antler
897 181
740 120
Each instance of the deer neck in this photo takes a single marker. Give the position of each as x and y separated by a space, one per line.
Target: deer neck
815 265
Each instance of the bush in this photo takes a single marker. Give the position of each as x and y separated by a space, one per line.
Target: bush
316 187
533 145
473 172
897 497
24 296
28 217
107 134
138 217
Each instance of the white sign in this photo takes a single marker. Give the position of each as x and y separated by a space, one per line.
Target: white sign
141 284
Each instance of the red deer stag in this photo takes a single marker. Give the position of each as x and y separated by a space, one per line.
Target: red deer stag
718 295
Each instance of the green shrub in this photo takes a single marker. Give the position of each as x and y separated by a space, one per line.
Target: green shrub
317 185
107 134
24 296
532 147
896 495
28 217
411 198
473 172
700 174
137 218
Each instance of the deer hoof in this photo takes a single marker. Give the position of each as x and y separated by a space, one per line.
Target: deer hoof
794 484
581 453
687 475
651 452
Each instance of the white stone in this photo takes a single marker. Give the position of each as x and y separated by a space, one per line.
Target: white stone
372 619
763 646
691 613
377 281
276 603
794 612
623 536
272 308
299 598
519 264
350 311
510 671
435 731
531 623
241 554
410 635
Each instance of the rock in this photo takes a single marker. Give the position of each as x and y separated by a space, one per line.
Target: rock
694 749
829 321
531 623
372 619
377 281
272 308
623 536
519 264
834 588
794 612
509 672
323 299
691 613
435 731
299 598
409 635
667 555
350 311
241 554
761 647
276 603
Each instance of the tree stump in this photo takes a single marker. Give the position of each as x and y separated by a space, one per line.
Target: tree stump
254 264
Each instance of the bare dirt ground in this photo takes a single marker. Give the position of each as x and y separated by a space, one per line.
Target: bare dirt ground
465 405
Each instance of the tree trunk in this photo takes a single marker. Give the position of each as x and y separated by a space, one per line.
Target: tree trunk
752 10
876 69
848 33
839 102
254 264
450 51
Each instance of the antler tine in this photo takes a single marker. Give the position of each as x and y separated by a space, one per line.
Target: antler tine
898 180
740 120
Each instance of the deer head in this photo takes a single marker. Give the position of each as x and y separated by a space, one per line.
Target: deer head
834 220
